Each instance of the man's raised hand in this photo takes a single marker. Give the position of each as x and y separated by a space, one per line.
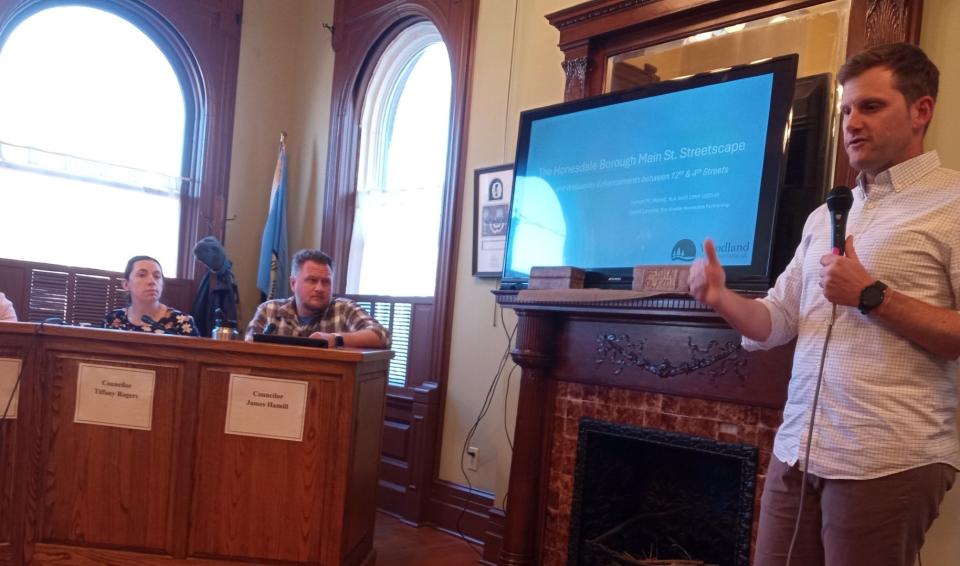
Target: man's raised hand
707 279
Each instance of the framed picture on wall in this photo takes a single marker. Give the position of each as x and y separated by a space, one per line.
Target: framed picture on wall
493 187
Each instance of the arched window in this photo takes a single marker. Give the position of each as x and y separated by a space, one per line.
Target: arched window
92 141
405 133
382 47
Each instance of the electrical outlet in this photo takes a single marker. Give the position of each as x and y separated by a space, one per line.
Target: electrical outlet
473 457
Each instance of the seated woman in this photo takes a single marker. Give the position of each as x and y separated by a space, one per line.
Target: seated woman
143 279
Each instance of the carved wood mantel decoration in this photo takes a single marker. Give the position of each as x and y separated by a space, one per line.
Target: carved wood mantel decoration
888 21
623 352
576 72
627 345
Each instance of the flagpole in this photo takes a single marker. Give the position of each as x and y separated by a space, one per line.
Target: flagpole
272 269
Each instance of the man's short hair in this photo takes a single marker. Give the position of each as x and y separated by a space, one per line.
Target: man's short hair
914 74
304 256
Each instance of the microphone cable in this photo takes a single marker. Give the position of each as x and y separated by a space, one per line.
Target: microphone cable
839 202
806 456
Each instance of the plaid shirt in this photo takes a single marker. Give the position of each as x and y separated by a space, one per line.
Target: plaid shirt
341 315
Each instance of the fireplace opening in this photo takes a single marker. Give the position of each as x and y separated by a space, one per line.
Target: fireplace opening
645 496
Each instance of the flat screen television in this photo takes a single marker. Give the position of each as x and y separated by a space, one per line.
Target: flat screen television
642 177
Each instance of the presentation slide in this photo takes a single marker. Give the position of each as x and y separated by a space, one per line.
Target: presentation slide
644 181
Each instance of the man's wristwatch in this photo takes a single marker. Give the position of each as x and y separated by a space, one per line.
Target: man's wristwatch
872 296
338 340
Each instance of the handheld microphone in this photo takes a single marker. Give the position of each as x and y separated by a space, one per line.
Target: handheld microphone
153 323
839 201
270 328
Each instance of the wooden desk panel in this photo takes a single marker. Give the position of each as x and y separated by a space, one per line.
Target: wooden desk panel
185 492
238 510
17 347
106 485
362 507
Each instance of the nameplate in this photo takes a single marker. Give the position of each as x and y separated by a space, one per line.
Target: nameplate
266 407
9 391
115 396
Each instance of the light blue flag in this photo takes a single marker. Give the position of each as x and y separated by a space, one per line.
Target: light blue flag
273 272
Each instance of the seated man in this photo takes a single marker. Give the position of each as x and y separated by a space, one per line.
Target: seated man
7 314
314 313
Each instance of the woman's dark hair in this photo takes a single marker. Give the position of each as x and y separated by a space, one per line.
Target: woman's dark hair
134 260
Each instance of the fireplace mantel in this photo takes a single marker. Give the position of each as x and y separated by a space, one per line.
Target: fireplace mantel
670 350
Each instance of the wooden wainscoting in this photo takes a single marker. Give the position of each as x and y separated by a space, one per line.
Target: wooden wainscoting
411 425
407 461
468 513
408 488
76 295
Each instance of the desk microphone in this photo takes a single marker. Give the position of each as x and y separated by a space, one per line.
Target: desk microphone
153 323
839 201
270 328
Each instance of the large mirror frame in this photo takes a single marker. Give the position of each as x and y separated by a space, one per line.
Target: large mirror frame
595 31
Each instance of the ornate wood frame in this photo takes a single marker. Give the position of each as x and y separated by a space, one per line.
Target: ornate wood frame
592 32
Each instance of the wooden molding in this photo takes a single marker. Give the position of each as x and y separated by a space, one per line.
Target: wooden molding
461 511
407 463
363 30
493 537
599 29
576 72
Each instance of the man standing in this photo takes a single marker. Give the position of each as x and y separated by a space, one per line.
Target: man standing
312 311
879 423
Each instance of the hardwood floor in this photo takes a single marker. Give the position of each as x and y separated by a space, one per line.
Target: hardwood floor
399 544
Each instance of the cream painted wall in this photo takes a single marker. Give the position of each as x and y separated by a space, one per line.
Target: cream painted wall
286 67
941 42
515 68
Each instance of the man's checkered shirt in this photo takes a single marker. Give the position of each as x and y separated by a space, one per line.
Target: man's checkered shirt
342 315
886 405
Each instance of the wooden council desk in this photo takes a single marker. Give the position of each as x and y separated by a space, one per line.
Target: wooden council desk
185 491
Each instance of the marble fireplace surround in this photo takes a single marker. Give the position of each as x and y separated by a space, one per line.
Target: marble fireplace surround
663 363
